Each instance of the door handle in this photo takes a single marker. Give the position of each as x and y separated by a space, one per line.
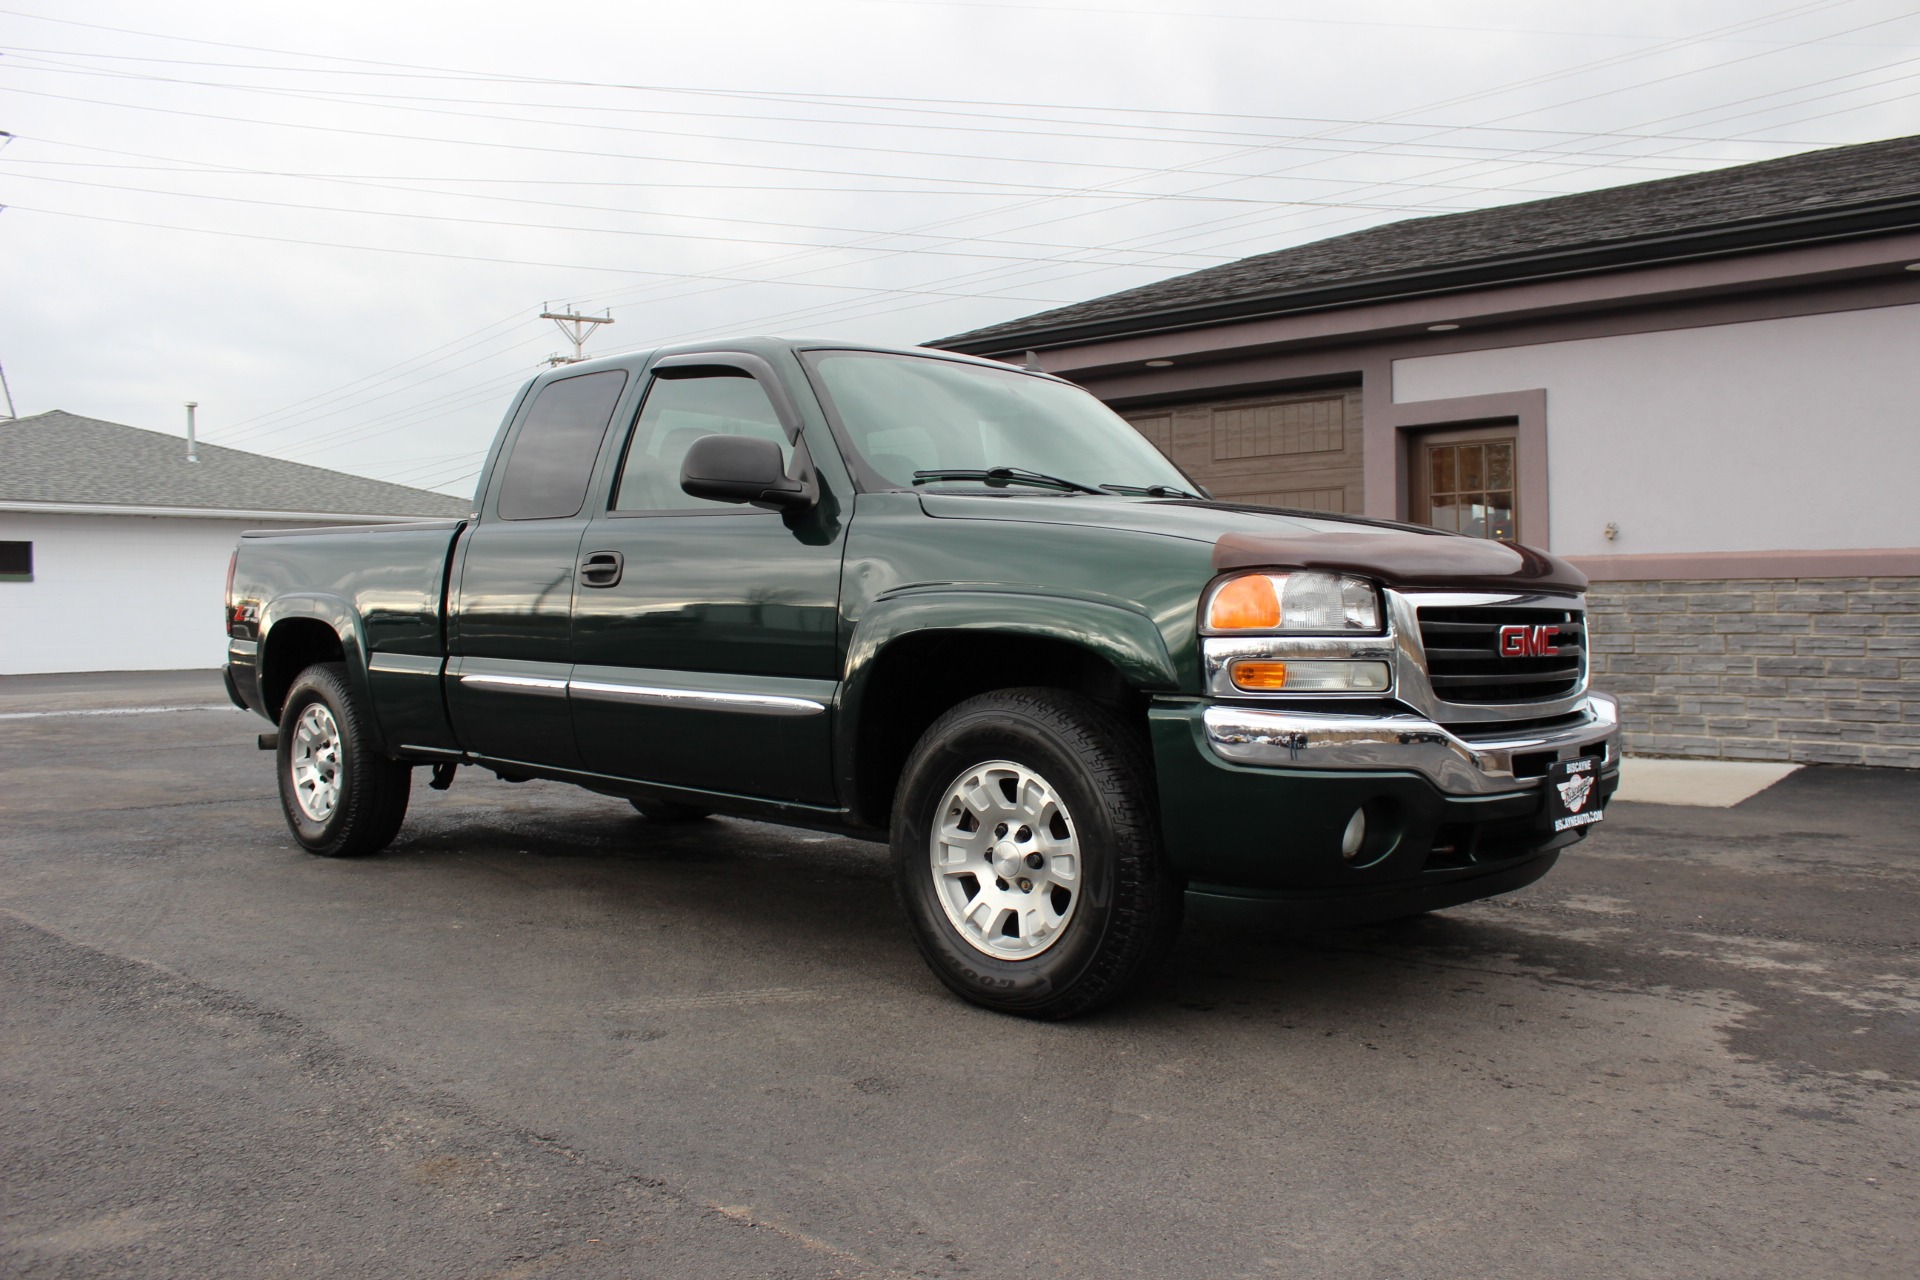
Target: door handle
602 569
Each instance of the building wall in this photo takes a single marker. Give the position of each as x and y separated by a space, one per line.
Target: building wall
1816 670
1795 433
1789 434
116 593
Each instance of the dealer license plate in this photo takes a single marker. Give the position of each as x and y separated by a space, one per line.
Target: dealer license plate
1573 793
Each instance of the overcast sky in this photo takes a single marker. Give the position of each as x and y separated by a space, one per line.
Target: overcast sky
335 226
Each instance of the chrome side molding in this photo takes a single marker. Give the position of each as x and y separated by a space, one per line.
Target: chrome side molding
411 664
766 704
548 686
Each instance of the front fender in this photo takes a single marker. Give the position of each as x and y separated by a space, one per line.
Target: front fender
1125 636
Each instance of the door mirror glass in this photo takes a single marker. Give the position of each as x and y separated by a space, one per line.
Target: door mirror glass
741 469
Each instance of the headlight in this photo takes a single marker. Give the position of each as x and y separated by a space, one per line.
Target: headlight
1324 603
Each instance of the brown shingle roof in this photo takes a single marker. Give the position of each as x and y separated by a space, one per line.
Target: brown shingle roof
1726 210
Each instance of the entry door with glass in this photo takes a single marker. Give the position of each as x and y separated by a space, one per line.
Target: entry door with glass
1464 482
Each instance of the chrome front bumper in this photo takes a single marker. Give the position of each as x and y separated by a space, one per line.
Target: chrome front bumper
1410 743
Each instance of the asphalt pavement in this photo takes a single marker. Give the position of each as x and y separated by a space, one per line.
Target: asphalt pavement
544 1037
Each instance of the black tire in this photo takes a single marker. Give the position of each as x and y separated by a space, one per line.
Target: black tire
1126 907
668 811
371 798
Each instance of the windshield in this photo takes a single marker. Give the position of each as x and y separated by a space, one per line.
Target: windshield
908 414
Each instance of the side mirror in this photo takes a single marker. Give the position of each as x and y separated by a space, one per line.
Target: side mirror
742 469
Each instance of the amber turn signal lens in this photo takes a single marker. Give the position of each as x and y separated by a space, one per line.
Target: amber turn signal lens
1245 604
1260 675
1309 675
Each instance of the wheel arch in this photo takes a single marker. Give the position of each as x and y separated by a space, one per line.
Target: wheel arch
298 631
917 654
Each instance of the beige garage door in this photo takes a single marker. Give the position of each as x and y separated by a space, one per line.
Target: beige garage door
1301 449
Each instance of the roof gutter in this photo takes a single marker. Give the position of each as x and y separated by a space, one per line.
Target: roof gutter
206 513
1855 222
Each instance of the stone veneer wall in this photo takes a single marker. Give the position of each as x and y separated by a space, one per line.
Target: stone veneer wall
1817 670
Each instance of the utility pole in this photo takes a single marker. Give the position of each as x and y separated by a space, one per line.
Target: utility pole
576 329
193 447
9 390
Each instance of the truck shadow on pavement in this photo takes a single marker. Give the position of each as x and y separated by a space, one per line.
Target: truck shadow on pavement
1683 903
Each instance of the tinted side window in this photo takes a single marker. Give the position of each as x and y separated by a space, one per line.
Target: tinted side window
547 472
679 411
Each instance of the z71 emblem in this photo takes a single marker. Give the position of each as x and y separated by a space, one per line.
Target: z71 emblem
1519 641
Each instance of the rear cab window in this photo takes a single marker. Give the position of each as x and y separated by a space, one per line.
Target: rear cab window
551 462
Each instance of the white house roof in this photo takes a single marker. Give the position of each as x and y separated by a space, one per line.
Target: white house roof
60 460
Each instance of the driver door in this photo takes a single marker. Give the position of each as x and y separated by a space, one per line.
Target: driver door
705 633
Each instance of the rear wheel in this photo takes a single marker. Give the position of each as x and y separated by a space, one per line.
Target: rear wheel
342 798
669 811
1027 854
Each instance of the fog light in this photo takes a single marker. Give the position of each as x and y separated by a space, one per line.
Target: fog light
1355 836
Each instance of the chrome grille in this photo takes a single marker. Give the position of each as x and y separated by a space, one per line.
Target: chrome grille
1464 664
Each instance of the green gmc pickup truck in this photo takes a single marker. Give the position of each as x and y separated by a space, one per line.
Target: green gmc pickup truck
953 605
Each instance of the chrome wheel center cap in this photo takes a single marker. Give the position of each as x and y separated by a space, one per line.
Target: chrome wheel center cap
1007 861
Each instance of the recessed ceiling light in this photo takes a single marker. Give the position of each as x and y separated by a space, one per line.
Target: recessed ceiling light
1441 328
1159 364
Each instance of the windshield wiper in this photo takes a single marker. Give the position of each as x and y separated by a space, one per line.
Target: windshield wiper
1150 490
998 477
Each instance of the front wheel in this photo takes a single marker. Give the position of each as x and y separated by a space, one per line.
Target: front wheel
1027 854
342 798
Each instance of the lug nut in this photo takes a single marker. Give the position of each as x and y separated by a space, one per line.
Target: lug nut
1026 885
1035 861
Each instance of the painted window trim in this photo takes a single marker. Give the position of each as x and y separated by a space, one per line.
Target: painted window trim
1525 411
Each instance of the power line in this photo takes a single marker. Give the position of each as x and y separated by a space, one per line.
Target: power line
843 309
294 418
992 123
511 146
1192 14
469 257
731 281
375 378
1748 24
381 182
418 71
540 226
1268 144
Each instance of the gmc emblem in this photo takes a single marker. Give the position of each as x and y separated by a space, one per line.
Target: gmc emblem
1519 641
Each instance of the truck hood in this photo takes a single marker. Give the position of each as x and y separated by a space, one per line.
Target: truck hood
1265 538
